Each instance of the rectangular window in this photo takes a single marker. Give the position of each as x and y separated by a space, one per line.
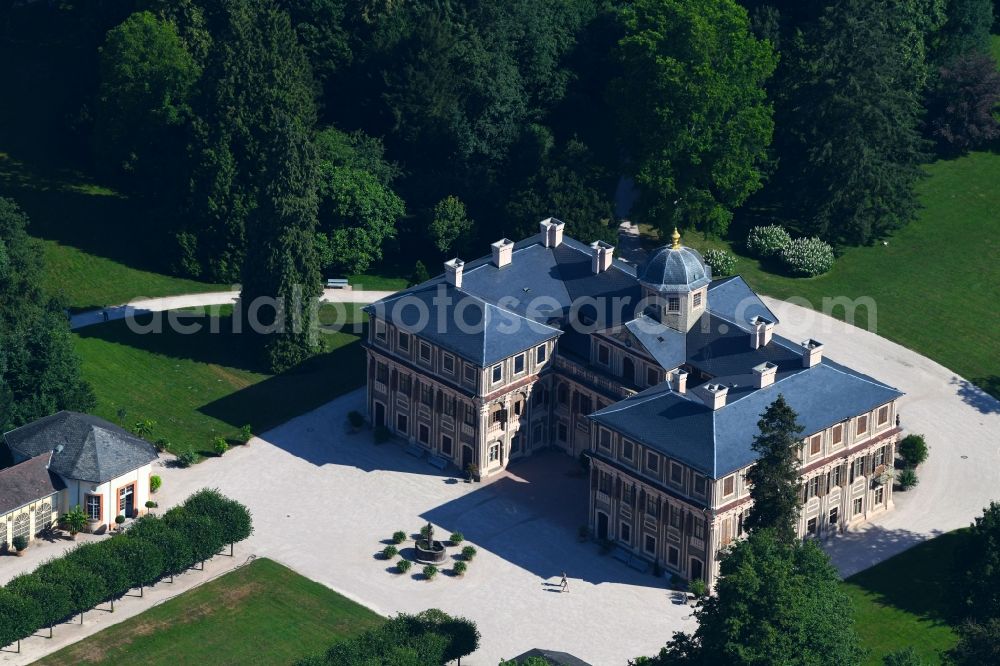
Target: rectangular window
815 444
626 533
652 507
604 483
448 363
497 372
833 516
813 487
449 405
673 304
519 364
93 507
426 394
673 556
446 444
862 424
699 529
380 330
404 384
837 435
879 494
424 433
650 544
811 526
883 415
382 372
696 301
857 506
494 452
652 376
540 353
700 485
470 414
652 462
729 485
628 450
425 352
676 473
402 423
603 355
835 476
604 439
470 374
880 456
585 404
675 516
563 433
859 467
404 341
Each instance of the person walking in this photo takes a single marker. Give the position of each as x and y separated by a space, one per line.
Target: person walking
564 584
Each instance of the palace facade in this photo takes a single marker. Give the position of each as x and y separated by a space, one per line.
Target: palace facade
656 371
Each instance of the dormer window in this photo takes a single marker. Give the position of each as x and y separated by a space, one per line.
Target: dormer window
519 364
425 352
404 341
497 373
380 330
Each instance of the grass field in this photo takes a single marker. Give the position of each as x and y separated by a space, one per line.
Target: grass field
262 613
908 601
199 386
936 284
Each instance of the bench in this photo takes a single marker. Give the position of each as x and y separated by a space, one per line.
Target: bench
414 450
337 283
438 461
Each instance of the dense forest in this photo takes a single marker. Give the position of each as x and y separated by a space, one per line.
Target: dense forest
274 141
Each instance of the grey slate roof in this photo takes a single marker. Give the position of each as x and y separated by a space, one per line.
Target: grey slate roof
717 442
682 269
27 482
666 345
734 300
91 448
552 657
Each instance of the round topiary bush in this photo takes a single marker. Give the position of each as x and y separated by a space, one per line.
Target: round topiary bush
767 241
807 257
468 553
456 538
459 568
187 458
721 262
20 543
398 537
389 552
430 571
220 445
155 482
913 449
403 566
907 478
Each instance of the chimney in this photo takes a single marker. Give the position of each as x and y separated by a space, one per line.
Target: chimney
812 353
714 395
763 374
680 381
503 249
552 230
453 272
761 331
602 255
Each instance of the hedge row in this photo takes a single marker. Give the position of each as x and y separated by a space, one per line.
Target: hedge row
150 550
430 637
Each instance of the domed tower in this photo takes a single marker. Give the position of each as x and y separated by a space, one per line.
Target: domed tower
676 280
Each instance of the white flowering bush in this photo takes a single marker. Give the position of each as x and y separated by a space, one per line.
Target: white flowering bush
767 241
721 262
807 257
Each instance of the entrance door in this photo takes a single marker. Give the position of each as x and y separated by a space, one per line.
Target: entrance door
466 456
696 569
379 414
602 526
126 501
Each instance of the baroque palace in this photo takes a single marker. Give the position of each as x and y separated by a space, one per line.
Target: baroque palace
656 371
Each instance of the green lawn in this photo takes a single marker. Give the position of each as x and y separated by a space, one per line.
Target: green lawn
262 613
196 387
907 600
936 284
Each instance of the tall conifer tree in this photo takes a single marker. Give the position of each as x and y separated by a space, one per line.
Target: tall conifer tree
774 478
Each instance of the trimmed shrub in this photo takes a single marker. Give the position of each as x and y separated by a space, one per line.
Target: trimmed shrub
767 241
468 553
155 483
398 537
459 568
53 599
203 534
86 589
403 566
382 434
233 517
162 444
389 552
913 450
142 559
907 479
19 543
186 459
430 571
220 445
456 538
119 520
721 262
150 504
19 617
246 433
698 588
355 418
807 257
101 559
73 520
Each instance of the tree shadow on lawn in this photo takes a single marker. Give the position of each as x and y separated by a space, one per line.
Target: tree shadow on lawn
530 517
921 580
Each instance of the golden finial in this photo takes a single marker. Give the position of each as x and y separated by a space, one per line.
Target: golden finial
676 237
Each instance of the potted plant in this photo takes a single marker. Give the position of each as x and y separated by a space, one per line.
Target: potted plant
456 538
74 521
430 571
119 521
398 537
20 544
403 566
154 483
459 568
246 434
389 552
220 445
150 505
356 419
471 472
468 553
